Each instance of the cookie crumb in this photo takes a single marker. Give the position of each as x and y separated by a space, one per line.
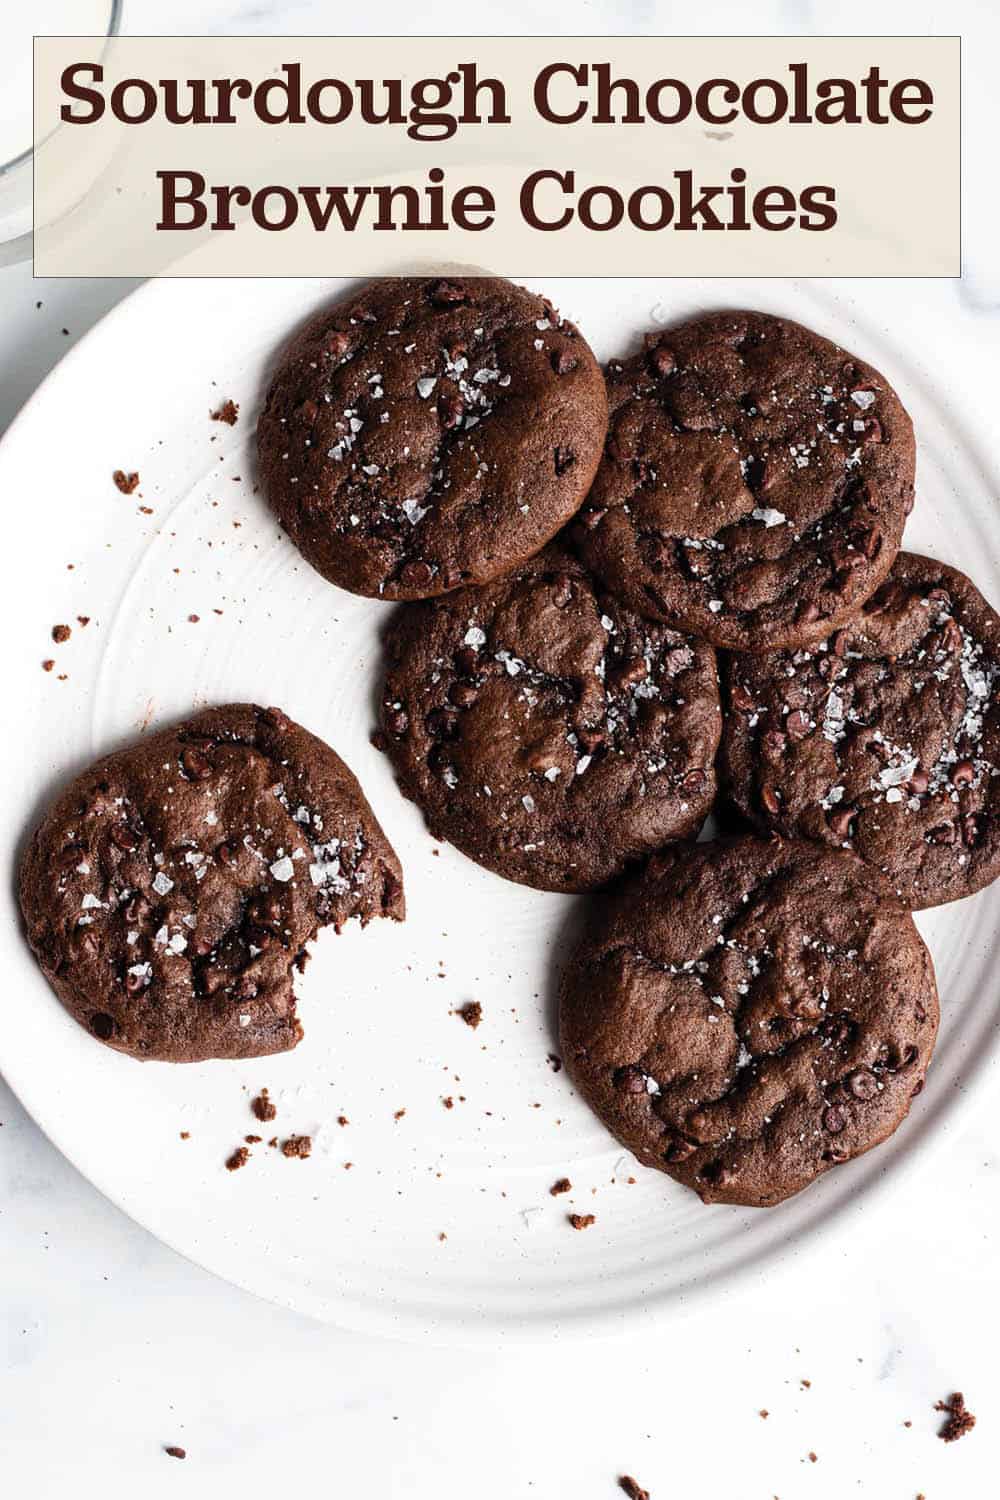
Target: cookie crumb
561 1185
764 1413
812 1458
185 1135
582 1221
174 1452
61 633
554 1062
127 483
632 1488
960 1419
399 1114
343 1120
297 1146
262 1106
448 1102
228 412
83 620
471 1013
48 664
239 1158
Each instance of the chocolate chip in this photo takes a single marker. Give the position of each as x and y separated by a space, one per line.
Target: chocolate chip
861 1084
663 360
195 764
467 660
630 1080
834 1119
918 782
102 1025
565 458
972 827
591 519
417 574
442 723
679 1149
840 821
446 294
451 410
337 343
396 720
769 798
123 837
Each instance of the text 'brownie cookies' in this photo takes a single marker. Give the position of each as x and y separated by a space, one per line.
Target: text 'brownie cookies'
548 731
745 1016
426 434
886 739
173 886
755 482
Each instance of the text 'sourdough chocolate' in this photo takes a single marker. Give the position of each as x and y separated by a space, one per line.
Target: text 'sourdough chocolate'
422 435
546 729
171 888
747 1015
885 739
755 482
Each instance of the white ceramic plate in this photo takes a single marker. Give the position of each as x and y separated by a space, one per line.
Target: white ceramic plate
362 1246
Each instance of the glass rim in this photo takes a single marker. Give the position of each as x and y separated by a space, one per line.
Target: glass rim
113 28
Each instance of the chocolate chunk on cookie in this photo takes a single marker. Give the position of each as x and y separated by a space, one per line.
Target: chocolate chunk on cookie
755 482
884 739
547 730
422 435
746 1015
172 887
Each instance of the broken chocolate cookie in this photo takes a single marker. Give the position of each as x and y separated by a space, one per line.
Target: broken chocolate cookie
172 888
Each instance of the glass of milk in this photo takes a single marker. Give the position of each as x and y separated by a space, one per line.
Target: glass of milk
19 24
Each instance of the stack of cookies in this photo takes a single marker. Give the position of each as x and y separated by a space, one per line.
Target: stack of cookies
583 556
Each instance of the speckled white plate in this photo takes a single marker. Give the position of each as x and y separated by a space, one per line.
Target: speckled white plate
442 1225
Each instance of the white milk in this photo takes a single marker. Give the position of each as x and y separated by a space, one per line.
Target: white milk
19 22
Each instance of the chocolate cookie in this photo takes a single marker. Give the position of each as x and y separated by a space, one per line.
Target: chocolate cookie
747 1015
172 887
885 739
426 434
755 482
548 731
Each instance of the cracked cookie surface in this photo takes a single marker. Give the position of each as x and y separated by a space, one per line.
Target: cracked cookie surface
172 887
746 1015
545 729
425 434
755 482
885 739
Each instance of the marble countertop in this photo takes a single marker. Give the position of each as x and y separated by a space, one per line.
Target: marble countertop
113 1346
